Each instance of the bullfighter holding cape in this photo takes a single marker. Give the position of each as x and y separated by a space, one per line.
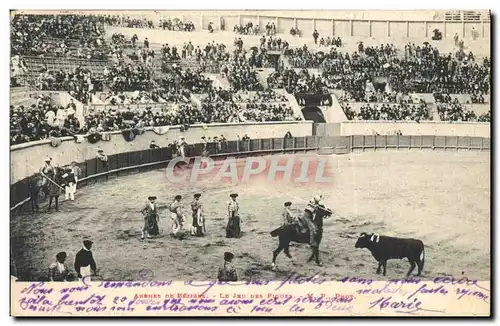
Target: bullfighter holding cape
233 229
198 227
150 212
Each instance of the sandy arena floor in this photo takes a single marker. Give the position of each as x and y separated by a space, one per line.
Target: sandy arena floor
442 198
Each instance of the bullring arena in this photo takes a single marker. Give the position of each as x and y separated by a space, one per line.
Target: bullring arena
384 192
424 176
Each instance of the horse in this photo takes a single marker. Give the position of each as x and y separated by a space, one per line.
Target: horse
292 233
37 183
40 182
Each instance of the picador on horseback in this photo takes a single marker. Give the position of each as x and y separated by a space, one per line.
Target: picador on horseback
305 222
308 229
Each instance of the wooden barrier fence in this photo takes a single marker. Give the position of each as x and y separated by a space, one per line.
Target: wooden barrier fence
94 170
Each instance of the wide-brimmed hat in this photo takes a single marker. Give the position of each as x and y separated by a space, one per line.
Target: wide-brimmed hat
233 195
61 255
152 198
288 203
178 197
197 195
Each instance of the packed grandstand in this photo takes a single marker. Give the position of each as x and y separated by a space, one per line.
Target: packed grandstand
128 82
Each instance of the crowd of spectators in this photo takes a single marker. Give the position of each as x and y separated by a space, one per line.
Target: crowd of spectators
295 83
77 83
251 29
454 112
422 69
194 81
477 98
303 58
42 120
426 71
145 56
485 117
295 32
248 29
260 58
213 57
328 42
386 111
273 44
269 96
210 58
246 112
175 24
127 77
227 106
270 29
112 20
170 24
78 36
242 76
138 97
133 22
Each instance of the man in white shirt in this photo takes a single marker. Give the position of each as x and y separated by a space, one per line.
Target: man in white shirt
76 172
50 117
61 116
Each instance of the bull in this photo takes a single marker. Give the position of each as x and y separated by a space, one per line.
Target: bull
384 248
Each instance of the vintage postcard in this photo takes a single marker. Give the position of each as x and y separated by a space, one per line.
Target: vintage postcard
250 163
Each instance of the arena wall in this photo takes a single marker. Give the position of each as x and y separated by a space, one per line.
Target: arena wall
27 158
146 159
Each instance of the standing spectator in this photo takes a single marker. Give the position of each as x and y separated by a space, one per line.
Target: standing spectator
222 24
315 35
146 43
184 51
190 49
76 174
84 261
50 117
61 116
